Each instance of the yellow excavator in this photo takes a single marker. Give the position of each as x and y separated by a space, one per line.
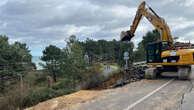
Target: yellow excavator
162 56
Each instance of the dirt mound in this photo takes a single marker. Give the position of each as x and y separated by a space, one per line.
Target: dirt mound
66 100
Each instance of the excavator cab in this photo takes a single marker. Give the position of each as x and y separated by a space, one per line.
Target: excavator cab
154 51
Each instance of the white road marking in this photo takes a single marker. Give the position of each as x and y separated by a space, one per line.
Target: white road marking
150 94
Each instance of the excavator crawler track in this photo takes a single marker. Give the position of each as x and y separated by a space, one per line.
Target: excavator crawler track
184 72
151 73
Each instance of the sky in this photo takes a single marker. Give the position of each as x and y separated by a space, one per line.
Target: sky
39 23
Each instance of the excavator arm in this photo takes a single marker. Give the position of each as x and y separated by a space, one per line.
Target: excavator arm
158 22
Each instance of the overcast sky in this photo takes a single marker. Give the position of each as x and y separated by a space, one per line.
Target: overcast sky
42 22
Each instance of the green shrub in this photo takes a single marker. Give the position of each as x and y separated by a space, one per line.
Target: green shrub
64 84
35 77
38 95
61 92
41 78
19 99
13 99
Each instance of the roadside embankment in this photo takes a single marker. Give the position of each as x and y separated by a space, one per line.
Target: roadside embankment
97 84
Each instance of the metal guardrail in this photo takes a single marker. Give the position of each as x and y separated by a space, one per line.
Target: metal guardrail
139 63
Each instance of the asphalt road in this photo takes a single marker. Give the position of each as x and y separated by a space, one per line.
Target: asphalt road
188 99
167 93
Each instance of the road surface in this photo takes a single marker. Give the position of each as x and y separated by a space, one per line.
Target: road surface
188 99
160 94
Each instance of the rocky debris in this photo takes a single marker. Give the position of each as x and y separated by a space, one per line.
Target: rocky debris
132 74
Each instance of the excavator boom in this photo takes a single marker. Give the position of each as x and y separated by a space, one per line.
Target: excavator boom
158 22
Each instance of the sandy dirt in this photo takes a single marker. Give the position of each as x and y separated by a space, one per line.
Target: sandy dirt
66 101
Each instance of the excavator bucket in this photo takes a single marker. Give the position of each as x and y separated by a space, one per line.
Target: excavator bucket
125 36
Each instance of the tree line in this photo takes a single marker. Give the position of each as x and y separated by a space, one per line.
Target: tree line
71 58
71 61
15 60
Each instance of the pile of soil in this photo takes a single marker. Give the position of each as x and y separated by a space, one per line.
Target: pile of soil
67 100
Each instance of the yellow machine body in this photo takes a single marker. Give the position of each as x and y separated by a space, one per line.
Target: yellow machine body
186 57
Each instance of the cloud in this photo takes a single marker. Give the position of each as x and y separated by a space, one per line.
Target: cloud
181 23
42 22
188 3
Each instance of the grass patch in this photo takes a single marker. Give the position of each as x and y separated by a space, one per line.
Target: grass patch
116 67
102 68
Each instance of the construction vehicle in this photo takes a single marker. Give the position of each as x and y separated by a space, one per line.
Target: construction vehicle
162 56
